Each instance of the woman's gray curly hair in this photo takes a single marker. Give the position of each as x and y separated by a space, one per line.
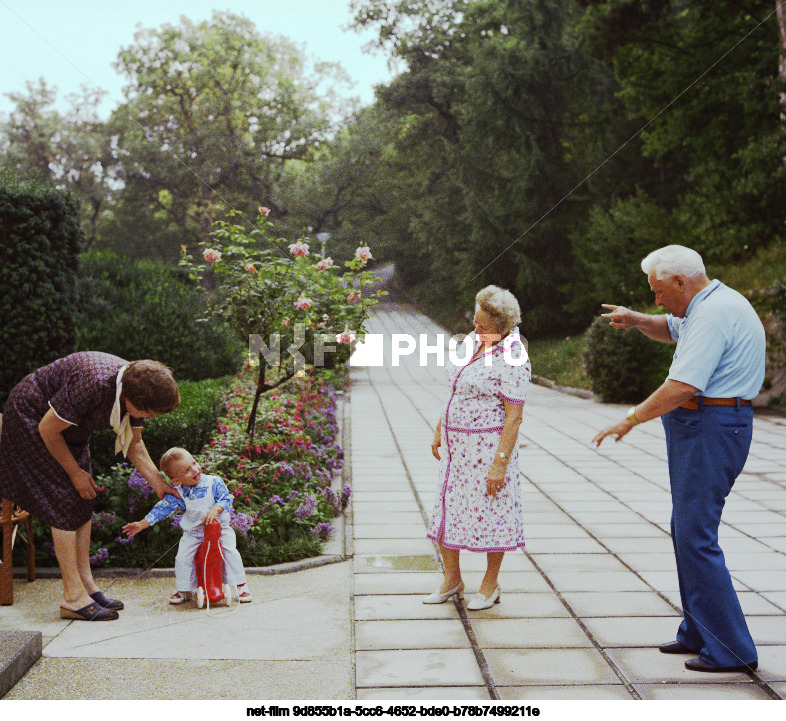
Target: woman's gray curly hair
501 305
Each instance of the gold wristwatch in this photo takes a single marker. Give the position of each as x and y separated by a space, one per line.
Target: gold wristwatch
632 416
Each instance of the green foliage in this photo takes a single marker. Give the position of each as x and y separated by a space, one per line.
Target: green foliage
213 112
611 250
298 312
623 365
189 426
719 145
144 309
70 151
283 484
39 245
560 360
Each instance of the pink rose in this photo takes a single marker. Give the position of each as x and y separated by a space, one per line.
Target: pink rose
363 254
263 210
211 255
285 322
325 264
250 268
303 303
346 337
299 249
354 297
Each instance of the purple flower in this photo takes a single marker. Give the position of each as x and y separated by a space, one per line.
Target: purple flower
176 520
293 495
276 499
103 520
322 529
124 541
286 468
307 508
101 555
240 522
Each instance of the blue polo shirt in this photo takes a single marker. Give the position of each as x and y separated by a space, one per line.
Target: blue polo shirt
720 344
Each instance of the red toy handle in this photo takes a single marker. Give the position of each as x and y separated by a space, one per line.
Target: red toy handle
210 562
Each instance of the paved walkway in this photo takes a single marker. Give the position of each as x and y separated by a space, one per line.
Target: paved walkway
581 610
596 590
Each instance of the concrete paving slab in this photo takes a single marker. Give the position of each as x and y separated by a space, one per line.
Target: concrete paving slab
633 631
393 635
601 604
433 693
648 665
418 667
387 608
772 663
564 545
610 581
393 546
406 530
512 667
573 692
554 530
701 692
525 633
385 564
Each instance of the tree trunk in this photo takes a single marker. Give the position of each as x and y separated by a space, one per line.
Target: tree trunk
780 11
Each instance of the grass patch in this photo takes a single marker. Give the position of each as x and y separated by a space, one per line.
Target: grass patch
754 273
559 360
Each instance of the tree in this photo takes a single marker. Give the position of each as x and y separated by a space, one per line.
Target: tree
495 131
292 312
706 76
71 151
213 113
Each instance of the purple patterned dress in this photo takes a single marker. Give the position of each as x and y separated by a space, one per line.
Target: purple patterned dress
79 388
465 516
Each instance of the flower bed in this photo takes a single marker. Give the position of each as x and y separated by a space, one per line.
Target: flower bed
283 481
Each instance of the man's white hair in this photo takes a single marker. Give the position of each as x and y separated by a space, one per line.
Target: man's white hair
501 305
673 260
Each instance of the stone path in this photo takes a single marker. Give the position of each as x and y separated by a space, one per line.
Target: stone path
596 590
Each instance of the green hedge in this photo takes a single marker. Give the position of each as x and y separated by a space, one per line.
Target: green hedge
39 244
623 365
144 309
190 426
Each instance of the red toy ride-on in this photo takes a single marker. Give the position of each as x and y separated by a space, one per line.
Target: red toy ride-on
209 563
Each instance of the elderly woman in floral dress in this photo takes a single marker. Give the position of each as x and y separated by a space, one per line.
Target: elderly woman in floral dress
478 502
45 454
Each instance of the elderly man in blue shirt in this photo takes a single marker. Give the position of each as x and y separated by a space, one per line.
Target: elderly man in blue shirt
705 405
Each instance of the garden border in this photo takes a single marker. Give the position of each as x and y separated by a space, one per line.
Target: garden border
335 550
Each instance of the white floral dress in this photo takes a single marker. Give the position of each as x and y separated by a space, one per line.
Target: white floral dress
465 516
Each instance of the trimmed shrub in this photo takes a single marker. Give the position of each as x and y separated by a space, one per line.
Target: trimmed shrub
623 365
190 426
39 244
143 309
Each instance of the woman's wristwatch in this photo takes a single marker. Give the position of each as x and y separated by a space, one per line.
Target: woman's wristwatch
632 416
503 456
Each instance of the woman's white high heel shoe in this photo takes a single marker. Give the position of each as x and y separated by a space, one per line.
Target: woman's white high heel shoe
438 597
478 602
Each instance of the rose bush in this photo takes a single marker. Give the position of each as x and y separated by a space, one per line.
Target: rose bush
292 311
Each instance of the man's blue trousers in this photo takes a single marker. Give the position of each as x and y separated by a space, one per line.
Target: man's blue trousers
707 449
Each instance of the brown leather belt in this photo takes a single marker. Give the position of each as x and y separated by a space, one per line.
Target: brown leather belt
692 404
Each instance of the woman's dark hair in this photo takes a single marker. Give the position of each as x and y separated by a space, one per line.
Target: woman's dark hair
150 386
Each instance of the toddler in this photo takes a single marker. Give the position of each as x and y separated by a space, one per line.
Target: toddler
204 498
